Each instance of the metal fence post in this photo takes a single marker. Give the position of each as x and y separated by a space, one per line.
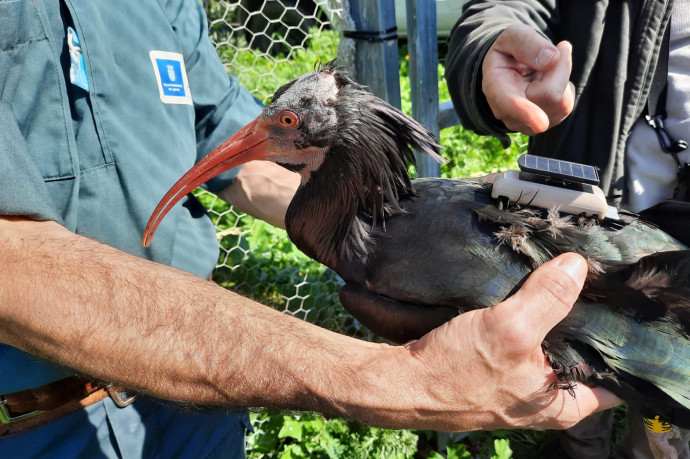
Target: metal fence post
423 50
376 60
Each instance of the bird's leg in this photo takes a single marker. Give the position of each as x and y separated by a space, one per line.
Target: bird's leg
571 367
562 385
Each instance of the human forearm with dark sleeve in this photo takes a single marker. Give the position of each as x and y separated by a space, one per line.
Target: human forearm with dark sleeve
504 73
172 335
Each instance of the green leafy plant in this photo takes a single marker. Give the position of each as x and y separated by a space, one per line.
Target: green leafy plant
313 436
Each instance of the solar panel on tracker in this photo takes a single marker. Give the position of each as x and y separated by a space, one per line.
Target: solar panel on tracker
559 169
547 183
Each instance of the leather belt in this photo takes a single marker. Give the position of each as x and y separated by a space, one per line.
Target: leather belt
27 409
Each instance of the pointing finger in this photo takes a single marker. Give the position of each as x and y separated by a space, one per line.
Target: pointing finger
554 92
527 46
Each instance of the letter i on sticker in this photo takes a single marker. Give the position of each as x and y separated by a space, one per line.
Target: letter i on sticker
171 75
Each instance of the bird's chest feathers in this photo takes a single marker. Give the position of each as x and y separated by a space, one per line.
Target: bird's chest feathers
318 221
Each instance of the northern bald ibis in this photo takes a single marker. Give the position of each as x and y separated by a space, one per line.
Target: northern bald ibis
415 253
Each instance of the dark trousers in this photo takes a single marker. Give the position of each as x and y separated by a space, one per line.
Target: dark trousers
591 439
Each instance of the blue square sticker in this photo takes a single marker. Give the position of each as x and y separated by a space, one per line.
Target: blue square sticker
171 76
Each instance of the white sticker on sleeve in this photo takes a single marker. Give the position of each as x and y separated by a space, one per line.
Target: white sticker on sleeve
172 77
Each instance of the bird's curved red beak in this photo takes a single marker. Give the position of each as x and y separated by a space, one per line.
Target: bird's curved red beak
246 145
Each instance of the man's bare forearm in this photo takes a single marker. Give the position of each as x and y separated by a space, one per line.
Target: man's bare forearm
156 329
153 328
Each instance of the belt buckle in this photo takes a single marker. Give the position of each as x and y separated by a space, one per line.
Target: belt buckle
116 395
7 418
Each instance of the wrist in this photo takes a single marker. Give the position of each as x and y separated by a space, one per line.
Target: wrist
445 380
381 388
395 387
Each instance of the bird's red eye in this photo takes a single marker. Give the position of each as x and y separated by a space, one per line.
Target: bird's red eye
288 119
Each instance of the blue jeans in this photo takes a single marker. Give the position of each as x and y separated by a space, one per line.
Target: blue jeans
145 429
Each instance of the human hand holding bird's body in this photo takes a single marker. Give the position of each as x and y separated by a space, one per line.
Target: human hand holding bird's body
501 359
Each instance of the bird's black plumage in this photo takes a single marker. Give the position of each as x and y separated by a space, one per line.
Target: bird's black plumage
415 253
434 248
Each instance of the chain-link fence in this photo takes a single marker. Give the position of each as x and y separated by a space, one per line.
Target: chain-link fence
260 41
265 44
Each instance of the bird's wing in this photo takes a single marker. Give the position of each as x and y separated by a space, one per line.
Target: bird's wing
438 252
642 331
453 247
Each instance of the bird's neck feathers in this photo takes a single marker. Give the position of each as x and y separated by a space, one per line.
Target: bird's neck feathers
362 180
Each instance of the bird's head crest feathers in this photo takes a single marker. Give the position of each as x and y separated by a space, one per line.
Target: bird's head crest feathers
369 144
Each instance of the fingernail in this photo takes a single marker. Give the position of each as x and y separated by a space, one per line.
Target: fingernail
545 55
573 266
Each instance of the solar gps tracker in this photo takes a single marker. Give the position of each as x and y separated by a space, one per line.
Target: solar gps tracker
559 169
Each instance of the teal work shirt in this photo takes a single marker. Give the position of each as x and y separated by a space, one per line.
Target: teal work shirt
98 160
